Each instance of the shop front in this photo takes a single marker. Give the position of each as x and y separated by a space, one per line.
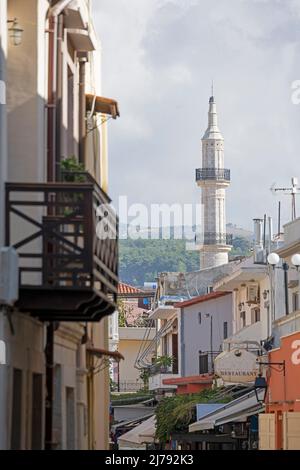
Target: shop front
279 426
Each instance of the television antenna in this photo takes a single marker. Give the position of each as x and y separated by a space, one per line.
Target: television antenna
293 191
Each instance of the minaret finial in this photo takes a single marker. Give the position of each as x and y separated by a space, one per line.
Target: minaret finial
212 87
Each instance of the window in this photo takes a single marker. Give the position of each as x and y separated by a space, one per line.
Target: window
225 330
57 407
165 345
255 315
243 319
37 412
16 419
70 418
199 317
295 301
203 363
175 354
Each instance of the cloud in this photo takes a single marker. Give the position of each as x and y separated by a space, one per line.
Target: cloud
159 57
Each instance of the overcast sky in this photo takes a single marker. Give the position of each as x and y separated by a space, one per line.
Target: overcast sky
159 58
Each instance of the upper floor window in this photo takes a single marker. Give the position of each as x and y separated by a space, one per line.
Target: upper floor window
203 363
295 301
225 330
255 315
243 319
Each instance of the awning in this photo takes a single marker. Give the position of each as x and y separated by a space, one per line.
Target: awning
141 434
236 411
102 105
103 352
82 40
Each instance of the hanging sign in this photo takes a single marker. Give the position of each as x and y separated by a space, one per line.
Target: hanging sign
237 366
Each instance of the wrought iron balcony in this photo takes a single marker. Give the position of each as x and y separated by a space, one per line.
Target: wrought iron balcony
213 174
67 272
211 238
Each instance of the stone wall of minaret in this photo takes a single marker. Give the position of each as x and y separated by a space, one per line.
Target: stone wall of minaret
213 180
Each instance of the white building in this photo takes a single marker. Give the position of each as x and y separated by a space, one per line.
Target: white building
213 180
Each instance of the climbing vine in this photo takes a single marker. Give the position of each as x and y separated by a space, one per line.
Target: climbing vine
174 414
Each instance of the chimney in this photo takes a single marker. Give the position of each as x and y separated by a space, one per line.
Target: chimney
259 251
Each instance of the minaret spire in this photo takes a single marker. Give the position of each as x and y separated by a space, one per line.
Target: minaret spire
213 179
212 131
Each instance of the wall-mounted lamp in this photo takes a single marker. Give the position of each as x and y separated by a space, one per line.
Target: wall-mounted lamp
259 385
265 294
16 32
241 305
296 261
260 381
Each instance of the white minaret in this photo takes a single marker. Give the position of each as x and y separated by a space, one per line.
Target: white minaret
213 179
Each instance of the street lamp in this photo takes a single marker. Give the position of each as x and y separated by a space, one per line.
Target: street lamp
273 259
260 384
296 261
16 32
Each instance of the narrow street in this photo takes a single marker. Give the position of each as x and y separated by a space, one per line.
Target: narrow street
149 229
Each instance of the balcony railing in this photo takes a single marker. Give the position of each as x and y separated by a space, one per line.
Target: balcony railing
215 238
66 271
214 174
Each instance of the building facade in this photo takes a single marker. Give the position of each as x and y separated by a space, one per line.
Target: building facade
54 386
279 425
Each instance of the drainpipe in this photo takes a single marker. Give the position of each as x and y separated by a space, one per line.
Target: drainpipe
51 126
182 340
53 144
82 111
285 267
53 15
49 355
4 370
59 95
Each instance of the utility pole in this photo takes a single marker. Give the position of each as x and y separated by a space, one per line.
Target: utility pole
209 315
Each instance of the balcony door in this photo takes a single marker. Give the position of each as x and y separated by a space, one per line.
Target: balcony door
175 353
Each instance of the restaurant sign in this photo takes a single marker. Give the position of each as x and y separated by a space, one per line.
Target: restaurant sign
238 366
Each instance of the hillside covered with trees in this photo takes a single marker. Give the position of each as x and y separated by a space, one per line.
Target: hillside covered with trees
142 260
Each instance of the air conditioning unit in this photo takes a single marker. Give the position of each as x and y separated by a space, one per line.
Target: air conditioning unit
253 294
9 276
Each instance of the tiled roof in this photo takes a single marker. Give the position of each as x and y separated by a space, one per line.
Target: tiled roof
127 289
201 298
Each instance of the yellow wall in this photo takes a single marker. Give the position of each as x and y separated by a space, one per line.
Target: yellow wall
129 349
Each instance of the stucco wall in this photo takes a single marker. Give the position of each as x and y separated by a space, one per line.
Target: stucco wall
129 349
25 351
196 336
26 93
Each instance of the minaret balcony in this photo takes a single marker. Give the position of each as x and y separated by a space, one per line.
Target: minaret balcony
217 238
213 174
